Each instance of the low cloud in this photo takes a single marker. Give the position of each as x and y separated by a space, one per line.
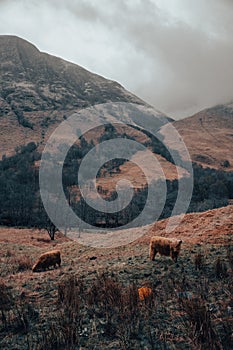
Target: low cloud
176 55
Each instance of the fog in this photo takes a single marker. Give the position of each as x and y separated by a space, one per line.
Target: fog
175 54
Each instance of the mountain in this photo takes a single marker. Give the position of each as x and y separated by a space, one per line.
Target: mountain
38 90
208 136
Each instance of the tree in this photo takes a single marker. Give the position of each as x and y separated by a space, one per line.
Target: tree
51 229
45 223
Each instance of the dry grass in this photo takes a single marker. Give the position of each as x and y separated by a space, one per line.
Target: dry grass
201 140
220 268
201 331
199 261
84 305
14 311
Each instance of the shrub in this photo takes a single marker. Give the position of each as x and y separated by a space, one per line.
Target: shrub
202 332
199 261
14 314
23 263
220 268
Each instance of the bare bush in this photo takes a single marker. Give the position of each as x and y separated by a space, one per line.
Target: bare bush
14 313
199 261
23 263
220 268
202 333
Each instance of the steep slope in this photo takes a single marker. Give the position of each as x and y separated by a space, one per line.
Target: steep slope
209 136
210 227
38 90
36 80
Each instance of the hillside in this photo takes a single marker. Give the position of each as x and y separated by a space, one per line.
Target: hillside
37 91
208 136
94 293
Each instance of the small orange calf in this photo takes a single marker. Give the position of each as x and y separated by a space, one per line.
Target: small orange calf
144 292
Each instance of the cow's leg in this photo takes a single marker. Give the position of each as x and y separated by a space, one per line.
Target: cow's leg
153 252
174 256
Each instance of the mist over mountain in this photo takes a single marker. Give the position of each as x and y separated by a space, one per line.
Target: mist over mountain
38 90
37 93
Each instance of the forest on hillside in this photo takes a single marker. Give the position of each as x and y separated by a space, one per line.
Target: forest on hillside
21 204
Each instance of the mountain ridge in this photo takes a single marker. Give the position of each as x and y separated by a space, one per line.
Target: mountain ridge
208 135
38 91
30 65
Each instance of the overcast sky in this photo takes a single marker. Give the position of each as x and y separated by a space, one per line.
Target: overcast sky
175 54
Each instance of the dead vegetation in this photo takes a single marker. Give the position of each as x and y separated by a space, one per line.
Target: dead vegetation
186 308
95 303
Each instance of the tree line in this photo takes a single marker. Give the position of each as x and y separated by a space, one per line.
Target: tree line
21 204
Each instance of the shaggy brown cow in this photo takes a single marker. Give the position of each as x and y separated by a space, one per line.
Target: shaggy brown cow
165 246
46 260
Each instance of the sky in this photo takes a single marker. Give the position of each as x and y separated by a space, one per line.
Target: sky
175 54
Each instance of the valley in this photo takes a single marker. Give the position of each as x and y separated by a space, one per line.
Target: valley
92 301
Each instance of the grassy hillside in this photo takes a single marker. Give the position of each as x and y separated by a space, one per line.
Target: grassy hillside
92 301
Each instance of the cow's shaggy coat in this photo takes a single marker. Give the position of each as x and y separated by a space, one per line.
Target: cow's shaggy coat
46 260
165 246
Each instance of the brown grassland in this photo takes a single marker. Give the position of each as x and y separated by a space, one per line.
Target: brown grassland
92 301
